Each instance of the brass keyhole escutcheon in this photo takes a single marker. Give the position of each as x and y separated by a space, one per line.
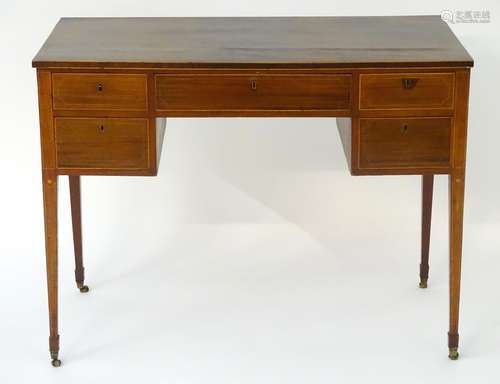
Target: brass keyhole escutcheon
253 85
101 128
99 87
404 128
409 83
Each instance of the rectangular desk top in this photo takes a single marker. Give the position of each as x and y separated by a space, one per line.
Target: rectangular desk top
253 42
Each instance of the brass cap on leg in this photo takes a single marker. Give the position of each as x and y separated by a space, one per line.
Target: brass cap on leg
453 355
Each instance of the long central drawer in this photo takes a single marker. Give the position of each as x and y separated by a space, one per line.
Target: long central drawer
265 92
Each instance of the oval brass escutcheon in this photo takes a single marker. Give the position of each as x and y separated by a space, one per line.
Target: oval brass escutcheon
99 87
253 84
404 128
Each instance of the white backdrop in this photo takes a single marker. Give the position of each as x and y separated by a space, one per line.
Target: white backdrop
253 257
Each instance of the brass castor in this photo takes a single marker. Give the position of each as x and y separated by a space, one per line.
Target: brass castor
453 355
83 288
423 283
56 363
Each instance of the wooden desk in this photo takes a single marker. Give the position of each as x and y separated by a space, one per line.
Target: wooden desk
398 87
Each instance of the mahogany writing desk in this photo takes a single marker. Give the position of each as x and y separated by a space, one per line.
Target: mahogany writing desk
398 87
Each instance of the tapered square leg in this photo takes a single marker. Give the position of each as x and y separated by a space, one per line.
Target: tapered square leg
49 187
49 179
456 197
76 219
427 189
456 190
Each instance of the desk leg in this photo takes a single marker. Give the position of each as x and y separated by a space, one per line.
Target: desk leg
49 178
456 189
427 187
76 219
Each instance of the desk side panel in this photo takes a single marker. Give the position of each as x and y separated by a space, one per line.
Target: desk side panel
47 134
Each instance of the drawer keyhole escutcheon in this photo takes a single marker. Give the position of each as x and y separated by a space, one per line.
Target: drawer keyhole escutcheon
101 128
404 129
253 85
99 87
409 83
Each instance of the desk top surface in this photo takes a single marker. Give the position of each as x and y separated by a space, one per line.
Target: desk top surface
253 42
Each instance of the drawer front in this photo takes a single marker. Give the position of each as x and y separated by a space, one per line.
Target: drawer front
99 92
406 90
260 92
102 143
404 143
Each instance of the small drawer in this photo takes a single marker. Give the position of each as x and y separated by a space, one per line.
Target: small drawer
404 143
102 143
260 92
406 91
87 91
